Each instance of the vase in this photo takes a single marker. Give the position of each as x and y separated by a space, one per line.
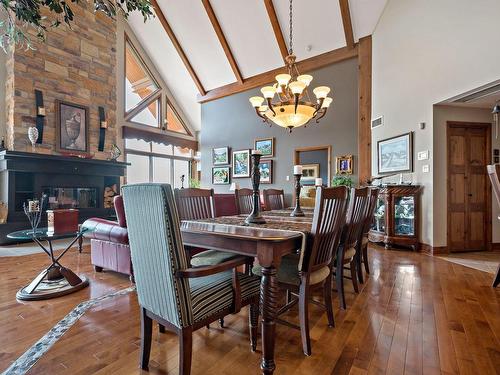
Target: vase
73 131
33 136
3 212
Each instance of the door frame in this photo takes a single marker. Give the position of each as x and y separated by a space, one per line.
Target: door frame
470 124
328 148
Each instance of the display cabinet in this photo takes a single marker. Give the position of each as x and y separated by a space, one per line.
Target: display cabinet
397 216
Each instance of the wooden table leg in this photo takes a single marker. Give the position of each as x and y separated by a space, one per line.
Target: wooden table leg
268 305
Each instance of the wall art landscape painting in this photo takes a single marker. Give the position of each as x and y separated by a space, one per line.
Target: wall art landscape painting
241 163
220 175
396 154
220 156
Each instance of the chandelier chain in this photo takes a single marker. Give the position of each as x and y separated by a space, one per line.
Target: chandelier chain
291 28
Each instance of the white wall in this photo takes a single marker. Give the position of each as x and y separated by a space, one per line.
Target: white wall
424 52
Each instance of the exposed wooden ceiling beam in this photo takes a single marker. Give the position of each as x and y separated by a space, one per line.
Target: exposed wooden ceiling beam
222 40
178 47
306 65
276 28
346 20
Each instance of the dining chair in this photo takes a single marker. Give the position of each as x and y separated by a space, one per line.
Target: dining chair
300 274
244 200
181 299
274 199
346 253
494 173
362 245
197 204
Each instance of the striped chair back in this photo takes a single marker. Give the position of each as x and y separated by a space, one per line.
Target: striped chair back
329 217
157 252
355 216
195 204
244 200
372 203
274 199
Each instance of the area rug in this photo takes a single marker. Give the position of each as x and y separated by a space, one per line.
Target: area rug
26 361
482 261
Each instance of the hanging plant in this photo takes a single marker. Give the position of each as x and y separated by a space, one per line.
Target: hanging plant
21 15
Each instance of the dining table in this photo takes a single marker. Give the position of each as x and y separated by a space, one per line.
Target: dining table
268 242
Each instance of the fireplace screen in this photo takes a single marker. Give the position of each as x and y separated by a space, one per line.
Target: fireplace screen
71 197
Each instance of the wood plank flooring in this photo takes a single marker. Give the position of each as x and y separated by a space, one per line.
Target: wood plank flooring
415 315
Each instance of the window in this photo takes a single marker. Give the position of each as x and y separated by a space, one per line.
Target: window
138 82
156 162
150 115
174 123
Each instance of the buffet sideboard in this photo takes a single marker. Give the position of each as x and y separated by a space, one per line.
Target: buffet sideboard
397 216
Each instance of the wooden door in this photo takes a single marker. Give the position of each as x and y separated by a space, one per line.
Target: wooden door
468 193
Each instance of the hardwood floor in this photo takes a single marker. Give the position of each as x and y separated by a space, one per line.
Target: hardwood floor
415 315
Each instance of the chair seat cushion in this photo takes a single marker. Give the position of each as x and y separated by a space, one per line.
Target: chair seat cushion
288 272
214 293
211 258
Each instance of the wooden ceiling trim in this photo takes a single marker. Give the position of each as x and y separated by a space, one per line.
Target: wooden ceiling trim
306 65
347 22
271 12
178 47
222 40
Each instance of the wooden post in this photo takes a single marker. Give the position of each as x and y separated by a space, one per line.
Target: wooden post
364 109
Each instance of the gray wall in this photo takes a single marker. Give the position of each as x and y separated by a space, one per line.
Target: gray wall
316 157
231 121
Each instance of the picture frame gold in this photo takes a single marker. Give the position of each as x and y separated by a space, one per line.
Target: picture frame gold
344 164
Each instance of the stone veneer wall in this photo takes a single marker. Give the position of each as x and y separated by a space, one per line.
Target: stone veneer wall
75 65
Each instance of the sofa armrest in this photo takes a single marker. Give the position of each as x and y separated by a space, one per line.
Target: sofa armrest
106 230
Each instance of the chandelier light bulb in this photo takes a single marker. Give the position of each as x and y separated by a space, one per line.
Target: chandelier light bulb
263 108
297 87
326 102
256 101
277 88
321 92
268 92
306 78
283 79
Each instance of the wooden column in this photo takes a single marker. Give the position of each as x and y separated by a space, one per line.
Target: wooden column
364 108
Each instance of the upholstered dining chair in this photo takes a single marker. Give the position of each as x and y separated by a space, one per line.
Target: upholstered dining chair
274 199
362 245
494 173
345 257
179 298
196 204
301 273
244 200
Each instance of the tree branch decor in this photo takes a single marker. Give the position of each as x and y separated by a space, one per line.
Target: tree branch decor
19 16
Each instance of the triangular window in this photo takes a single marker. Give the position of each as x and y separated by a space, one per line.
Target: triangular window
149 116
139 84
174 123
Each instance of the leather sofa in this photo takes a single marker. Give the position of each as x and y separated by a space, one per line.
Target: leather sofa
109 247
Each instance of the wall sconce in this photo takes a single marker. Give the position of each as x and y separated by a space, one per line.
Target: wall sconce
496 114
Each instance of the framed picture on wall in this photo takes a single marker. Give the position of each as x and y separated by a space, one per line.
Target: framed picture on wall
309 173
344 164
266 171
220 176
395 154
265 146
72 128
241 163
220 156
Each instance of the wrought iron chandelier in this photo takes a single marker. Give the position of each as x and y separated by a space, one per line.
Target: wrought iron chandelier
294 107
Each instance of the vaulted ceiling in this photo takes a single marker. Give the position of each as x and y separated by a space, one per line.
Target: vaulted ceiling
201 45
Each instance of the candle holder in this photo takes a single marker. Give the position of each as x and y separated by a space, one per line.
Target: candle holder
297 211
34 211
255 217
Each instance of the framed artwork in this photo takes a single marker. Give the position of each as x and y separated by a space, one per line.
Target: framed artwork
220 156
266 146
241 163
395 154
220 176
309 173
72 128
266 171
344 164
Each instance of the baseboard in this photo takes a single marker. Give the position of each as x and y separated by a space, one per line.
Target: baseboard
433 250
495 246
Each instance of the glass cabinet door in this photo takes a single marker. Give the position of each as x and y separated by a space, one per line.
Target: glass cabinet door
404 216
379 216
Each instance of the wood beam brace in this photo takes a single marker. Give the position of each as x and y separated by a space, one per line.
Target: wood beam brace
222 40
346 20
306 65
271 12
364 109
178 47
